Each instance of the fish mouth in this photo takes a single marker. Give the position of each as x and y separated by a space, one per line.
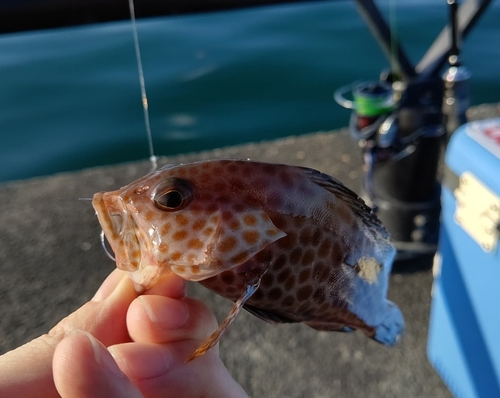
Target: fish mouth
118 227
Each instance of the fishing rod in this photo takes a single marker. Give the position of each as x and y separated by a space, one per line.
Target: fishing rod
402 123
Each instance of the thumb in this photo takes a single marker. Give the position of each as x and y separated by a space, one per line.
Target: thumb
84 368
27 370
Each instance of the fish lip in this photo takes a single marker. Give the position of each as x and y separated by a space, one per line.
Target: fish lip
114 217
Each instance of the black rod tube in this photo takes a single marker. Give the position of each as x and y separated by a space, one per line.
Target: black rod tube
372 16
454 49
436 56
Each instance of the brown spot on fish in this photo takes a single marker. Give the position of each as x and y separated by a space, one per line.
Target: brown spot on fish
288 301
275 294
234 225
267 280
289 241
227 216
272 232
136 254
227 244
239 258
283 275
149 216
316 238
165 229
250 220
180 269
295 255
308 257
304 275
199 224
176 256
251 237
195 244
290 283
195 269
305 236
181 220
208 231
304 292
279 263
325 248
258 295
180 235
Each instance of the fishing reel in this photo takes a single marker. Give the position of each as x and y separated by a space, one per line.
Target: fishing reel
399 130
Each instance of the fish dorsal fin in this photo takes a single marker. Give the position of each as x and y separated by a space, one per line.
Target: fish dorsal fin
350 198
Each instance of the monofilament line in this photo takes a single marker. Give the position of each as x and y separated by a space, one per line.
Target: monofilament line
144 96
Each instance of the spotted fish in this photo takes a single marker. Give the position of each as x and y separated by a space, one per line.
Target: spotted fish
288 244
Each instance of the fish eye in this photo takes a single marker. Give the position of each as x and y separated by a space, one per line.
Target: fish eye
172 195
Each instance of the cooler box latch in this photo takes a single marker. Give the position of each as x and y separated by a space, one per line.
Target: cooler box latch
478 211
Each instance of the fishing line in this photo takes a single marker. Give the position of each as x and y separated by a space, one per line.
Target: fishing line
144 96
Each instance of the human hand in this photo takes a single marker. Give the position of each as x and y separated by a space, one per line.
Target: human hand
148 338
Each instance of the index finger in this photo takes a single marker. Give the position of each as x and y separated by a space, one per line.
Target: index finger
171 285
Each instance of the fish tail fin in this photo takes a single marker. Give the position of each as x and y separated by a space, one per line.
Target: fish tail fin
391 327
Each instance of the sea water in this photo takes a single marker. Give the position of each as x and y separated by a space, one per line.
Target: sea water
70 98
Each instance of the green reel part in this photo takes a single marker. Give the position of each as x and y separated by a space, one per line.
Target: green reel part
373 99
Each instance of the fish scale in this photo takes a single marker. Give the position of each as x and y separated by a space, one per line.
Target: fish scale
288 244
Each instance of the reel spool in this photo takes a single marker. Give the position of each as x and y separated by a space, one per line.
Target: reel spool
399 131
371 101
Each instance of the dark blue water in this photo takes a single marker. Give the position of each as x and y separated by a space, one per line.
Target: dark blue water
70 98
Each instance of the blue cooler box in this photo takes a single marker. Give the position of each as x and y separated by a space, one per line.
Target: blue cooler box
464 334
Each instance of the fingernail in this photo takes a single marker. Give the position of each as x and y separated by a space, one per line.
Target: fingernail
101 355
108 286
142 361
168 313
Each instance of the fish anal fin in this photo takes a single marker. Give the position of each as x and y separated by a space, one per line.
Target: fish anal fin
329 326
267 316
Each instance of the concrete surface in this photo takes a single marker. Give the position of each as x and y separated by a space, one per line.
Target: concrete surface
51 262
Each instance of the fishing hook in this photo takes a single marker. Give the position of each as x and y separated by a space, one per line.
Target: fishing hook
103 244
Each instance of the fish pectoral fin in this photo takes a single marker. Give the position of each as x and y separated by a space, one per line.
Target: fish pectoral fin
267 316
249 290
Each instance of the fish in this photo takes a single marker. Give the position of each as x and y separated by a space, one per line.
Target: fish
288 244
